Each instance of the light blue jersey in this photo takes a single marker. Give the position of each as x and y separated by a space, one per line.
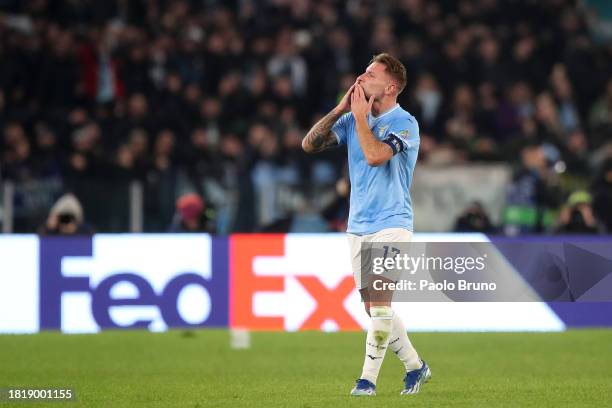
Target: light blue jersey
380 196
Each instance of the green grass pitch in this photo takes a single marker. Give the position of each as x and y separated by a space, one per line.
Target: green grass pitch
309 369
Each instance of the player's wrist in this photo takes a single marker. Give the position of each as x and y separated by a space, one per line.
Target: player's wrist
339 110
361 117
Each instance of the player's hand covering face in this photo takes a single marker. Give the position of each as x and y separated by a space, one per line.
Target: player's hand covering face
359 105
345 103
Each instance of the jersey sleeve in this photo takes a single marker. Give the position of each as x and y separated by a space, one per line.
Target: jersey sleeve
403 135
340 128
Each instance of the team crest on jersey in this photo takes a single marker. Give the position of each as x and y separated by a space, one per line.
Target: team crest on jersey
382 130
403 134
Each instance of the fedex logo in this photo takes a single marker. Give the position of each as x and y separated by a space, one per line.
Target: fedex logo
293 282
132 281
278 282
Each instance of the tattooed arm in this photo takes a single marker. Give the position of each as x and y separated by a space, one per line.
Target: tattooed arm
320 137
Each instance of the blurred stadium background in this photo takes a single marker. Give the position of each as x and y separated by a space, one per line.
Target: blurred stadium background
157 117
132 104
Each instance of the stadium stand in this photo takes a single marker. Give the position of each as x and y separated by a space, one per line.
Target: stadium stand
213 97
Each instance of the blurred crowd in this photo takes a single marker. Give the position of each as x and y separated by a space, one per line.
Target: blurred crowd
213 97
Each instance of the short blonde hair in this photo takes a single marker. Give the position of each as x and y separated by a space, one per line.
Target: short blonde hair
394 67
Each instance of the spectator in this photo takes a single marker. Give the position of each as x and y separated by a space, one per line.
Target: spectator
17 161
429 99
287 61
161 182
602 196
474 219
66 218
600 116
568 113
336 213
577 215
533 192
191 215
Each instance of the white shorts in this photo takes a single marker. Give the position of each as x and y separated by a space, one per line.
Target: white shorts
356 241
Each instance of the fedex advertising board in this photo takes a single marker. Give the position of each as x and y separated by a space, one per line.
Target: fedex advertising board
253 281
293 282
304 281
86 284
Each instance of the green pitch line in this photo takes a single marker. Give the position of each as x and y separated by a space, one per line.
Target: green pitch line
307 370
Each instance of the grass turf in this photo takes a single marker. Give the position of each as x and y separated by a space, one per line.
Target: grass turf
309 369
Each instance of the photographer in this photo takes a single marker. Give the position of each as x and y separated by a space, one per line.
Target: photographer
577 216
66 218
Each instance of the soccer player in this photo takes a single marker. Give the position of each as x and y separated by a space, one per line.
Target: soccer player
382 141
